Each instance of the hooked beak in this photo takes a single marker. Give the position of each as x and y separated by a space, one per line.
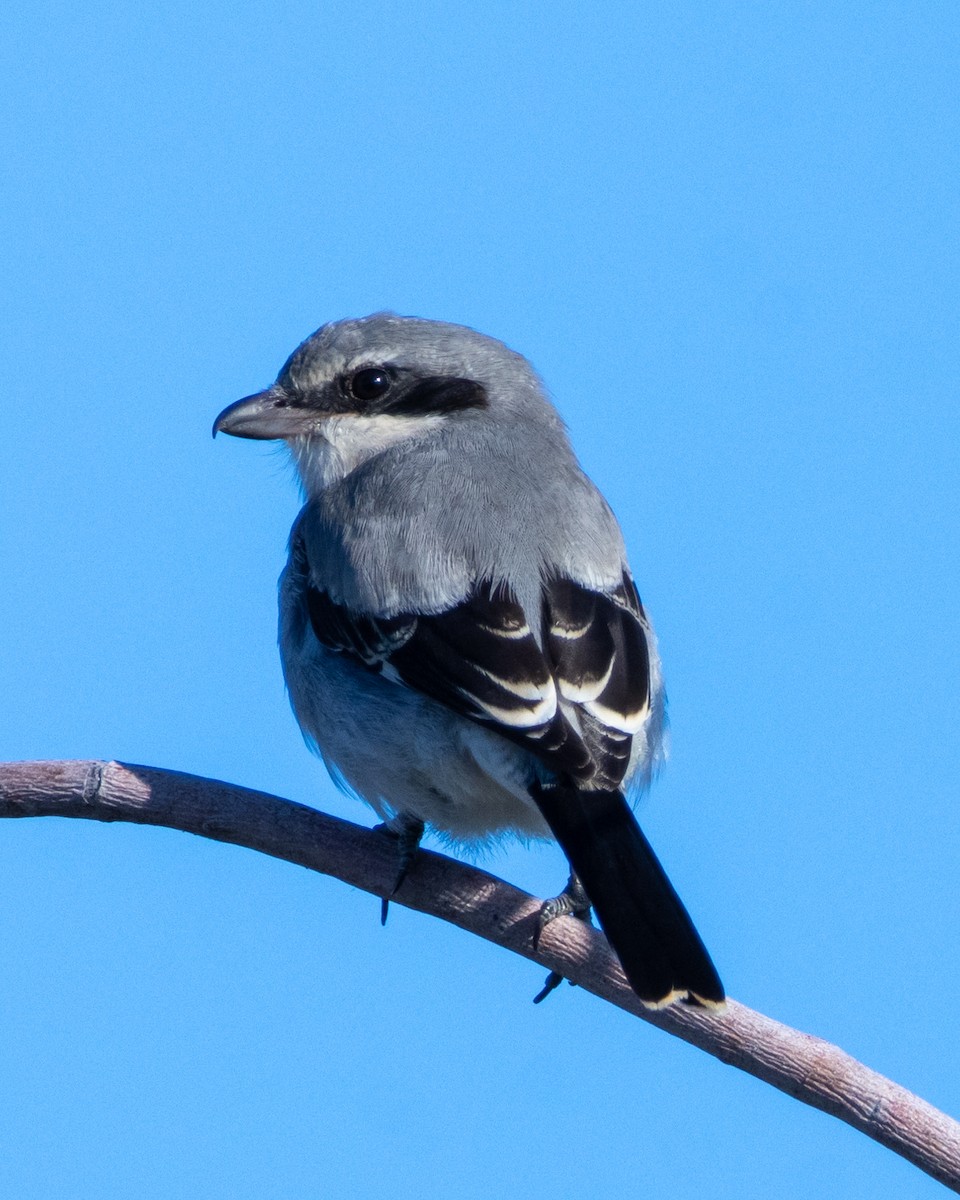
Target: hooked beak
265 416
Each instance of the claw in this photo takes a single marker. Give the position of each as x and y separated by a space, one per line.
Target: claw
573 901
554 979
408 831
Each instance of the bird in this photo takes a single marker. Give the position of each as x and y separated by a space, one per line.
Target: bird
461 636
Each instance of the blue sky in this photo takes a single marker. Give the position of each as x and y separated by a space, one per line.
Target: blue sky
728 240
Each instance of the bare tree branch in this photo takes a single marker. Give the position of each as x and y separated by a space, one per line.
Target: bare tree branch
806 1067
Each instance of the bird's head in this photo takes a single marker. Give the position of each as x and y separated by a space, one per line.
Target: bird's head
355 387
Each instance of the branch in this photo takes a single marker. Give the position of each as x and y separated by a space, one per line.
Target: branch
803 1066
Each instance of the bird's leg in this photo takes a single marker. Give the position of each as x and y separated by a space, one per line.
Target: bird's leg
408 831
573 901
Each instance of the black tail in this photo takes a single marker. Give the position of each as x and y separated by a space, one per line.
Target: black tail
643 917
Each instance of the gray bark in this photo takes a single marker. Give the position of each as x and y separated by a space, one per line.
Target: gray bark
806 1067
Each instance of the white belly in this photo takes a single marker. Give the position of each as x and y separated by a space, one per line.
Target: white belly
402 752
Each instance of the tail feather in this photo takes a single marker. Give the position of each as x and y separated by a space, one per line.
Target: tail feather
643 917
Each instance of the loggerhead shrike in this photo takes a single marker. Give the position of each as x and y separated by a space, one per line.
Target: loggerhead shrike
461 635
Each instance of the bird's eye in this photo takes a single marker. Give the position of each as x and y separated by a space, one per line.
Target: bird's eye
369 384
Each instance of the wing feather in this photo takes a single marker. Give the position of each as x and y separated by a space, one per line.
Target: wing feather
574 698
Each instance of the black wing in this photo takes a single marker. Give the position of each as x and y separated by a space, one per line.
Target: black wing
597 643
574 700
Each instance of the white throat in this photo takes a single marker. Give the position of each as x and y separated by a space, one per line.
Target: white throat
345 442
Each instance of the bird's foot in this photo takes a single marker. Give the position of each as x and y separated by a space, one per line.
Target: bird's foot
408 831
553 981
573 901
